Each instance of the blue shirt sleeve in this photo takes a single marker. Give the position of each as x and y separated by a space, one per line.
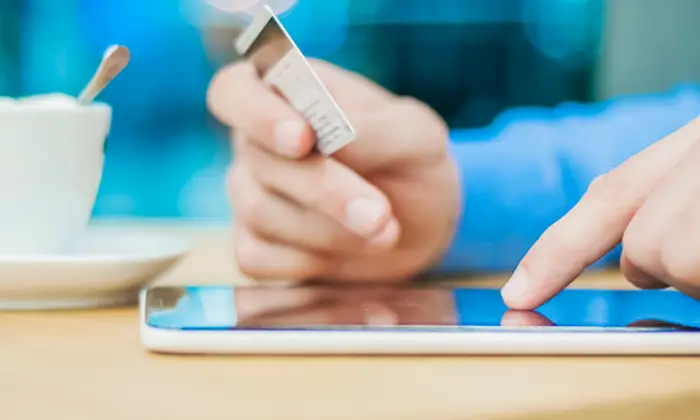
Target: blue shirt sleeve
529 167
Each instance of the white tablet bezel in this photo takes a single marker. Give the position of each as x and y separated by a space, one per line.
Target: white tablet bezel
427 342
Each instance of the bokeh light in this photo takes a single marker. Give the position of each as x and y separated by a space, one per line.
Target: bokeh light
246 6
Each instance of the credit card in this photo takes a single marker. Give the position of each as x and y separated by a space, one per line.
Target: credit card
282 65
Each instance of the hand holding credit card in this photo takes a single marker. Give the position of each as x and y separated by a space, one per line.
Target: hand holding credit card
377 202
268 46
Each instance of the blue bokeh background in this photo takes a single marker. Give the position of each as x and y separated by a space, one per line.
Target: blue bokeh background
469 59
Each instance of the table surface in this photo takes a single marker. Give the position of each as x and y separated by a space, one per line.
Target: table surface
90 365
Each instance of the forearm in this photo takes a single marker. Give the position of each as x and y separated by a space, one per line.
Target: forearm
530 167
511 196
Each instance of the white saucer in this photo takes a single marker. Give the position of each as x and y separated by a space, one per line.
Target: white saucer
102 269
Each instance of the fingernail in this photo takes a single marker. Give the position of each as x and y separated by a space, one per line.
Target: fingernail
516 286
288 137
387 237
363 215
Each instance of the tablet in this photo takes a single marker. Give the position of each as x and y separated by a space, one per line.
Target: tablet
413 319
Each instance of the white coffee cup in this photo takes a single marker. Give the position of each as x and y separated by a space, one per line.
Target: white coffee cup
51 163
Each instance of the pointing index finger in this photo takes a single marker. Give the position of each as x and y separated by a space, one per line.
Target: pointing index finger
596 224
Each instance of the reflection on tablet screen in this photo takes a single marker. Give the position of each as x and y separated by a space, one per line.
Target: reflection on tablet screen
434 308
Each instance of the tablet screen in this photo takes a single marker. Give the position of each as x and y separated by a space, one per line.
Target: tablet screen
413 307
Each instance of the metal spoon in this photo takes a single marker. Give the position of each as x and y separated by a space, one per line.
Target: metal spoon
114 60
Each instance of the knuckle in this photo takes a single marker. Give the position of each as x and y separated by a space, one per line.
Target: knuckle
213 91
628 269
239 183
247 199
614 192
641 244
613 200
636 245
639 277
432 134
324 194
605 188
239 144
232 179
249 254
679 267
251 207
680 262
258 164
438 129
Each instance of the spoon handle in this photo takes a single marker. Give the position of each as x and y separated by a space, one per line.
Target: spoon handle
113 62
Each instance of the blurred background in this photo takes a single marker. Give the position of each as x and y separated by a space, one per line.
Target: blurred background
468 59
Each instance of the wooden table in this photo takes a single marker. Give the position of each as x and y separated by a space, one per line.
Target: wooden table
89 365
